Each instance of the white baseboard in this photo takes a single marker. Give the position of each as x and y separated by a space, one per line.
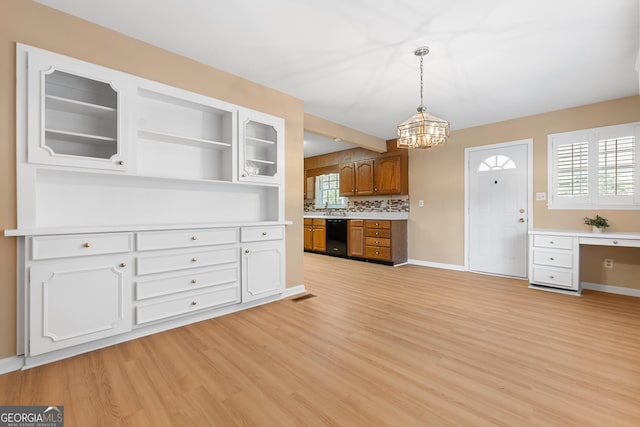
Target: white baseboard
611 289
10 364
436 265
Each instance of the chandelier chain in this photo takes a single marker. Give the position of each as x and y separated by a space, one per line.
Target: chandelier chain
421 82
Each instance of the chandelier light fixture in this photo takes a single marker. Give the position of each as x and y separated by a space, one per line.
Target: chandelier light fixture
422 130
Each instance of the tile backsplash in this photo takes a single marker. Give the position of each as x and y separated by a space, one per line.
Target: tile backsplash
366 204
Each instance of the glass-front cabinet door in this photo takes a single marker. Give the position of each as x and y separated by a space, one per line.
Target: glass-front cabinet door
79 119
261 153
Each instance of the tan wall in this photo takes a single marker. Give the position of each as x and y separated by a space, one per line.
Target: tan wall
30 23
436 231
334 130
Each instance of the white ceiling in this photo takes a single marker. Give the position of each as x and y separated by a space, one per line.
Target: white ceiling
315 145
352 61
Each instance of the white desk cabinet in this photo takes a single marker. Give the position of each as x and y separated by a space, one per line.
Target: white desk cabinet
554 261
554 256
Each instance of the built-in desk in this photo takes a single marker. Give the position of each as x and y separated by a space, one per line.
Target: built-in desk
554 256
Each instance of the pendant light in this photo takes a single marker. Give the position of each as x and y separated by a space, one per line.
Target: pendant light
422 130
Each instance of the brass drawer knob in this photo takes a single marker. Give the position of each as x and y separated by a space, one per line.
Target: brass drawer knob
194 237
123 264
194 259
615 242
87 245
194 281
552 259
264 233
194 302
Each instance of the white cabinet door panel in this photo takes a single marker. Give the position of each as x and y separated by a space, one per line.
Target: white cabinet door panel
262 269
77 301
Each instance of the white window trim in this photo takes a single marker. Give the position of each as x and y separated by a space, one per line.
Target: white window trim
593 201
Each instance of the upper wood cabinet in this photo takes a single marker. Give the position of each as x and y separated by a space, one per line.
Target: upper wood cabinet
385 175
356 179
388 175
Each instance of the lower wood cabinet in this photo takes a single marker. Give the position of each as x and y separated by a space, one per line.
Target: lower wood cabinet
355 239
315 234
78 300
386 240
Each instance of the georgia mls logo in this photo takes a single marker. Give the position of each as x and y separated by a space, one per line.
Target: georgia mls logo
31 416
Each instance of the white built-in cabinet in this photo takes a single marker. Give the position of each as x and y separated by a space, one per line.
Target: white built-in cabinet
261 150
262 262
141 206
78 113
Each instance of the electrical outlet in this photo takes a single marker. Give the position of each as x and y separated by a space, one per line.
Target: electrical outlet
421 203
608 263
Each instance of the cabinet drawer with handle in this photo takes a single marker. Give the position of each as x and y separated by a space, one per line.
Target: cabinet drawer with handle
375 252
148 264
186 282
47 247
150 240
219 296
378 241
558 278
609 242
257 234
553 258
558 242
386 224
386 234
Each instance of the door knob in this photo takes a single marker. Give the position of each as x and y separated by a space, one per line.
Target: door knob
521 220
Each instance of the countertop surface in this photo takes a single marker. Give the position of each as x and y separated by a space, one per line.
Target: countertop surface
360 215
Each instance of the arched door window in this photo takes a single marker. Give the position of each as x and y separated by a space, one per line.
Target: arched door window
497 162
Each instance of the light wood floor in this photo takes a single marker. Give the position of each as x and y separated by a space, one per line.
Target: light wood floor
405 346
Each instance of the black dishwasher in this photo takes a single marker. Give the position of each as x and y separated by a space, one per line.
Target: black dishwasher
337 237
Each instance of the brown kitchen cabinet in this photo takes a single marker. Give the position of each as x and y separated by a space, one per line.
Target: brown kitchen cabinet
309 187
385 175
357 178
388 175
386 241
315 235
355 239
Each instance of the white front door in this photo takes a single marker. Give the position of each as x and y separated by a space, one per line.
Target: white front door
498 209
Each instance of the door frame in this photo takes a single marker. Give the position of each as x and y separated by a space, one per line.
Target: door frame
529 144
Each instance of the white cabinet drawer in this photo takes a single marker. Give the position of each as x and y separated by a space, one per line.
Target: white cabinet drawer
553 258
557 278
185 259
150 240
609 242
187 282
222 295
46 247
550 241
257 234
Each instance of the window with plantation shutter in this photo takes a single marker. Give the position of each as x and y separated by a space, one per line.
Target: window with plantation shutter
595 168
616 166
573 169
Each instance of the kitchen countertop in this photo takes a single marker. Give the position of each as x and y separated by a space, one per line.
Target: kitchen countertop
361 215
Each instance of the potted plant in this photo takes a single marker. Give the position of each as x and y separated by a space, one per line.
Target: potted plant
598 223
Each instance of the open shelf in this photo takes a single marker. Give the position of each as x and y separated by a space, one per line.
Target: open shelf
264 141
180 139
264 162
78 137
79 107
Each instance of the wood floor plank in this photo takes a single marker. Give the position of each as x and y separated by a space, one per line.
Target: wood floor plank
377 345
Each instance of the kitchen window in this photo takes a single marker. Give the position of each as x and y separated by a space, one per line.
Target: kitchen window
595 168
328 191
